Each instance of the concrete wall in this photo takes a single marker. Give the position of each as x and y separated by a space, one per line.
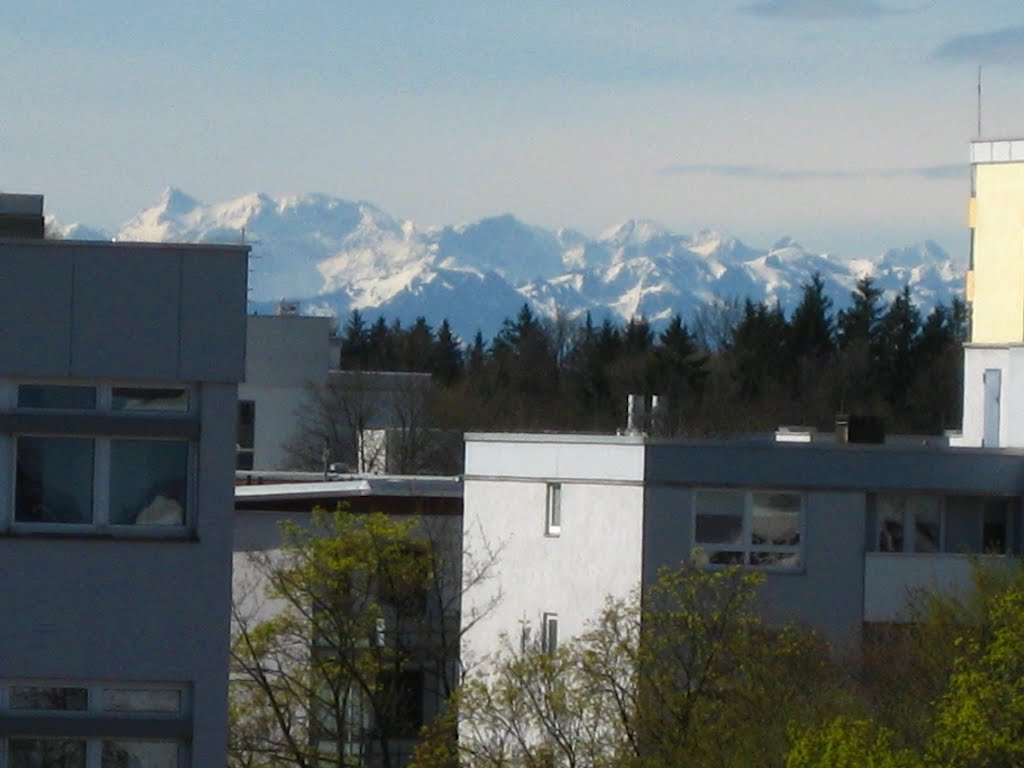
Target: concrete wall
126 606
598 552
284 355
132 311
827 593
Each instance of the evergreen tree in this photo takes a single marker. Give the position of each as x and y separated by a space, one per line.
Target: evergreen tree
355 342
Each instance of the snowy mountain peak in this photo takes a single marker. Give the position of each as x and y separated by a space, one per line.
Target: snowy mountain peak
632 232
335 255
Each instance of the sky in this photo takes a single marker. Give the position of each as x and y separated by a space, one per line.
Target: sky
844 124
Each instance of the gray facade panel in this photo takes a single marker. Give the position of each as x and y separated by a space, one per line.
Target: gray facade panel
125 322
839 468
213 314
668 528
829 593
35 311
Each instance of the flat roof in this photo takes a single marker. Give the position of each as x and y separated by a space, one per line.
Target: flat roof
408 486
555 437
45 242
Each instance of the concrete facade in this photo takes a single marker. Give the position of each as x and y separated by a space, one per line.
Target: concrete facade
869 524
119 611
596 551
285 354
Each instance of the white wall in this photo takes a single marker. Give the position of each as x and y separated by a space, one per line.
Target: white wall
1010 361
598 552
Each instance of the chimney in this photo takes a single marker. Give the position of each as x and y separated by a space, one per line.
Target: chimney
842 428
22 216
636 414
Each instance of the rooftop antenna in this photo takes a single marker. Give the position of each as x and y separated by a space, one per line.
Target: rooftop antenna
979 101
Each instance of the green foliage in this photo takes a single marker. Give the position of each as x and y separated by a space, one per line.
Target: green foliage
848 743
683 678
980 719
323 633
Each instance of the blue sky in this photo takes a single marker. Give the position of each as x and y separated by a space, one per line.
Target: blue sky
842 123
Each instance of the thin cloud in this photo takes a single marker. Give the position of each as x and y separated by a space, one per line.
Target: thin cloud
768 173
1003 46
957 171
821 10
750 172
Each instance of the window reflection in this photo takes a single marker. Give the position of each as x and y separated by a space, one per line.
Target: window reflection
54 480
46 753
148 481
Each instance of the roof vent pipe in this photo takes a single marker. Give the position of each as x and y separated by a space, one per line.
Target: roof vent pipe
636 413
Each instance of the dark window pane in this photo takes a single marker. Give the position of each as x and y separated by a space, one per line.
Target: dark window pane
719 529
46 753
725 558
56 396
925 511
54 480
141 700
995 528
889 516
148 482
963 524
149 399
246 424
402 697
140 754
49 698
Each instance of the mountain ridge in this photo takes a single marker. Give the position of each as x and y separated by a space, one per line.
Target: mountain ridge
335 255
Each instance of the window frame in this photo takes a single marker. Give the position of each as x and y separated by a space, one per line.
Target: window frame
101 425
96 723
549 632
908 521
553 510
746 546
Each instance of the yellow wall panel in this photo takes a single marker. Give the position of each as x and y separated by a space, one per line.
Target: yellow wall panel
998 280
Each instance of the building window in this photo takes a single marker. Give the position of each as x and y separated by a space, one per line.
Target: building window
246 439
99 456
549 633
31 713
932 523
553 507
751 528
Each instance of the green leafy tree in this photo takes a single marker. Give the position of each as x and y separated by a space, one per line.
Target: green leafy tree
980 719
847 742
685 678
340 635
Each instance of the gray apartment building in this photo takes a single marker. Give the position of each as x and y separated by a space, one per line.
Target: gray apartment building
119 365
845 534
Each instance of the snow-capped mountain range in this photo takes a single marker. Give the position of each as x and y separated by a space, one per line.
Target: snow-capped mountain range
337 255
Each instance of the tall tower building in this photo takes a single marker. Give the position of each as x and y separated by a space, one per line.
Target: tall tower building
994 356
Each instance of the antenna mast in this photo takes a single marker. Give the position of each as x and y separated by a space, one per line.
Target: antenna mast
979 101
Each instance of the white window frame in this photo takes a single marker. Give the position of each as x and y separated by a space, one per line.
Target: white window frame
102 443
95 709
553 510
703 551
